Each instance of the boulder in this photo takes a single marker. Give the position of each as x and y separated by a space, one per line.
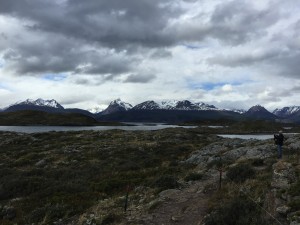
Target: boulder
283 175
283 210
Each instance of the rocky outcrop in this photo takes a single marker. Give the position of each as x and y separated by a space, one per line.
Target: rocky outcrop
232 150
279 199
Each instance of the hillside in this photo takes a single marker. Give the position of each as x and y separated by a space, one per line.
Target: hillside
171 176
174 116
25 118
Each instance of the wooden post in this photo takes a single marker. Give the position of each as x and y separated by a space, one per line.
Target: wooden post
126 199
220 182
221 173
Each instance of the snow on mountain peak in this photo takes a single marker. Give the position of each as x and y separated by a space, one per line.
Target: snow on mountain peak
40 102
175 105
286 111
122 104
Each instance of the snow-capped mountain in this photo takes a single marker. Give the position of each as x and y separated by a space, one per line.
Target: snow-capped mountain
286 111
116 106
40 102
148 105
174 105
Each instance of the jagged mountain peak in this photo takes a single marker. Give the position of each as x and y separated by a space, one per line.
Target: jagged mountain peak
286 111
39 102
116 105
121 103
174 105
257 108
259 112
147 105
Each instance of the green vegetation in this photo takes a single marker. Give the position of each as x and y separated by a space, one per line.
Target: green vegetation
237 211
57 175
193 176
241 199
240 173
25 118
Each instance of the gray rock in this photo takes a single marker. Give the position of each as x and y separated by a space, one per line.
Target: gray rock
295 223
283 175
283 210
41 163
9 213
168 193
233 149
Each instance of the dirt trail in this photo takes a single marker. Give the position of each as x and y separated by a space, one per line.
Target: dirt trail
187 206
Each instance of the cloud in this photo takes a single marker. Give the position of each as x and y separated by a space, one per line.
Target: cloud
138 78
232 22
63 55
161 53
243 58
214 50
238 21
114 23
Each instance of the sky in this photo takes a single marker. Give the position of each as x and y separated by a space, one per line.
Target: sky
232 54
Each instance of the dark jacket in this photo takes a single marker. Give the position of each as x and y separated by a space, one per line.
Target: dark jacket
279 139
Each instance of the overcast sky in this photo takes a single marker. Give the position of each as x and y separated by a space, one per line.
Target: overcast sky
233 54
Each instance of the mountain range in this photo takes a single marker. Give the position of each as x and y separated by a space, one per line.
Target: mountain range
164 111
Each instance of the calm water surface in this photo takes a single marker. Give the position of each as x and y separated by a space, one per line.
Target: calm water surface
41 129
254 136
248 136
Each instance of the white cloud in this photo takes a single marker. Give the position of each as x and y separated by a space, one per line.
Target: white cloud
232 53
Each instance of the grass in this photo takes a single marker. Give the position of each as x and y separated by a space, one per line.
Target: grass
79 169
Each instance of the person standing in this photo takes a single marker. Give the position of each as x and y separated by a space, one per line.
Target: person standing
279 141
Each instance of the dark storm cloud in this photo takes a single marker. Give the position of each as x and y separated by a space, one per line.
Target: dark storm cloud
120 24
71 28
243 59
161 53
64 55
276 62
238 22
135 78
68 27
114 23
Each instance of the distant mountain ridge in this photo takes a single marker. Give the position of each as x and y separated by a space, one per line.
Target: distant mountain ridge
40 102
174 105
286 111
49 106
171 110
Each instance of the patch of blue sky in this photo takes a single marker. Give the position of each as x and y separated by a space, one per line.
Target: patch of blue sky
54 77
4 86
208 86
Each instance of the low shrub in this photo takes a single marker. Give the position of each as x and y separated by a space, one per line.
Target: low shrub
240 173
238 211
258 162
193 176
110 218
166 182
295 205
295 189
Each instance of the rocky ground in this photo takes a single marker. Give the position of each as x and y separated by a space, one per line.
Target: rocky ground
170 176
